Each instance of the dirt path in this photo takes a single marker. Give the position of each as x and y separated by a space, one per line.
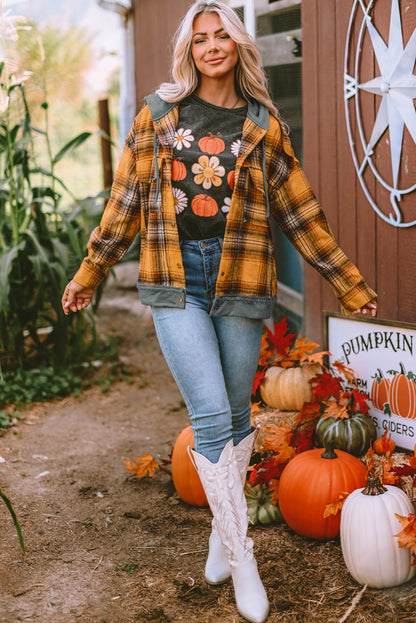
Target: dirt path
104 547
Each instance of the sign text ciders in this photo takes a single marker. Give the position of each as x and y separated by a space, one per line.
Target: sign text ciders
383 357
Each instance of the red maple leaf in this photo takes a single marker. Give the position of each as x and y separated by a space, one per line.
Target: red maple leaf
303 438
346 371
258 379
403 470
407 536
280 341
268 469
360 401
325 385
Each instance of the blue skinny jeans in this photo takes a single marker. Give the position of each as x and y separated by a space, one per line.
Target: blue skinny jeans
213 359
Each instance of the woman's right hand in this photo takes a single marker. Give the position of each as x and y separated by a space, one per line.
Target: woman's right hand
76 297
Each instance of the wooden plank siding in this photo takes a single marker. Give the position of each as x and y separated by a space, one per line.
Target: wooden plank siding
313 286
383 253
155 23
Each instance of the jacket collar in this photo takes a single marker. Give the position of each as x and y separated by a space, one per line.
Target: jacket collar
256 112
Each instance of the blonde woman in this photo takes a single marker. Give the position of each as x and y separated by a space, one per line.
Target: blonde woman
206 163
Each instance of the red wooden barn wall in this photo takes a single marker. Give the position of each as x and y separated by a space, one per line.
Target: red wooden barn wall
384 254
155 23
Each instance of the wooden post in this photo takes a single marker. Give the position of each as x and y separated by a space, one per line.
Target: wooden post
106 156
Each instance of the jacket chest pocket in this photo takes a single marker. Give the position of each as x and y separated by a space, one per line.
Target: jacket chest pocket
251 180
145 169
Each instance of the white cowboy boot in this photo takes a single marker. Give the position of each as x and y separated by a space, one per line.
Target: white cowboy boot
223 486
217 567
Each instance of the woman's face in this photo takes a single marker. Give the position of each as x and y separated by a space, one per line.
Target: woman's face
214 52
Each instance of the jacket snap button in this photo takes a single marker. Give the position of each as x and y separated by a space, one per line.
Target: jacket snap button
178 264
222 274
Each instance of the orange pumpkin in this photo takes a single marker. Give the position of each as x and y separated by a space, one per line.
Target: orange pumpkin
402 395
380 391
211 144
203 205
178 170
184 475
311 481
384 445
231 179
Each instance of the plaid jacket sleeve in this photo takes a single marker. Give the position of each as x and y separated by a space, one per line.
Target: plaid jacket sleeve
301 218
119 225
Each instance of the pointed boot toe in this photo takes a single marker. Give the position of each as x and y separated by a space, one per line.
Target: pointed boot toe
250 595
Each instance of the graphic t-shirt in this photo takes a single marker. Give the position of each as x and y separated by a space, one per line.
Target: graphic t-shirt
207 141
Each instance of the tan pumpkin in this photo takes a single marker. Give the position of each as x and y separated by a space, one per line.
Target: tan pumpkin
288 389
204 205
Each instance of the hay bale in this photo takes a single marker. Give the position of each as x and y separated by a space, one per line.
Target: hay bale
267 418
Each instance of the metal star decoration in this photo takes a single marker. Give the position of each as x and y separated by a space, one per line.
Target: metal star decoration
396 85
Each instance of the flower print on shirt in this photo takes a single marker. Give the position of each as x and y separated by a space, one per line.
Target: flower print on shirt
226 207
208 172
183 138
180 200
235 147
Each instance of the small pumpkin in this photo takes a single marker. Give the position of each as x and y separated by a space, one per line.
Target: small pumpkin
380 388
402 395
204 205
261 509
353 434
178 170
311 481
211 144
288 389
368 528
384 445
184 475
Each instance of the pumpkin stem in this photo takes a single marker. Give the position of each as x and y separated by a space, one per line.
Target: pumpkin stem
374 485
329 452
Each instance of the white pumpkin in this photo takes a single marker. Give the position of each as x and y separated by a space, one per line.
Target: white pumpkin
368 528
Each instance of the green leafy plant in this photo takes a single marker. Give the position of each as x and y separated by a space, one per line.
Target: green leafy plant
128 567
41 240
9 505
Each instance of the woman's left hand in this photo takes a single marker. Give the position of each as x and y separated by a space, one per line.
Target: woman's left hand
370 309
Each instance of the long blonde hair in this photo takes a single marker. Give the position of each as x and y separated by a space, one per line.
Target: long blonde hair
249 76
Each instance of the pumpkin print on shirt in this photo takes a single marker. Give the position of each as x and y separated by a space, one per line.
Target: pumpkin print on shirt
205 151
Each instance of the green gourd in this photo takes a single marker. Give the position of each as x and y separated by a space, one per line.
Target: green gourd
261 509
353 434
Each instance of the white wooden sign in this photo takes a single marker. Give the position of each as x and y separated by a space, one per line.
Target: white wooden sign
383 357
